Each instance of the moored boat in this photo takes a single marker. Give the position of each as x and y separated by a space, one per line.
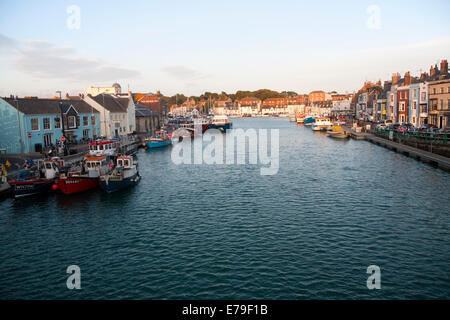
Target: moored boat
39 181
321 123
300 118
84 178
124 175
220 122
338 132
160 140
309 121
108 147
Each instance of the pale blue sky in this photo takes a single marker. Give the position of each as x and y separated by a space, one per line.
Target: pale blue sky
196 46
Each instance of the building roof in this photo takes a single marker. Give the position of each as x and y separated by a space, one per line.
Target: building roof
143 111
49 106
111 103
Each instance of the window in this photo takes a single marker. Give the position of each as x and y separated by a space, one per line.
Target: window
434 90
35 124
72 122
93 120
78 121
46 123
86 133
57 123
442 89
85 121
414 105
414 93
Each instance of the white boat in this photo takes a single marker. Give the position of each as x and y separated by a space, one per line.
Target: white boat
321 123
104 147
220 122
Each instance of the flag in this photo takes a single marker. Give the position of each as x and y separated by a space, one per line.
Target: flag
8 164
3 170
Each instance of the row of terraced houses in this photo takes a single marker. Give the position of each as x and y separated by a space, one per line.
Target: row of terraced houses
424 99
32 124
316 102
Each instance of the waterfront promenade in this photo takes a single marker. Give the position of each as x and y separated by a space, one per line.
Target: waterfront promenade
418 154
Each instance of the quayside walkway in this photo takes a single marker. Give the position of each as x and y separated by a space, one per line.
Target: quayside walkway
422 155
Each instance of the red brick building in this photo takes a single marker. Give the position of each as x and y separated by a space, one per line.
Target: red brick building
403 99
317 96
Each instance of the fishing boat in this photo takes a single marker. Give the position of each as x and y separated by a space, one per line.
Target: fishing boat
321 123
38 181
108 147
85 177
220 122
124 175
309 121
338 132
160 140
300 118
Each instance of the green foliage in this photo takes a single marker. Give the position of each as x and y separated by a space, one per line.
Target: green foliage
261 94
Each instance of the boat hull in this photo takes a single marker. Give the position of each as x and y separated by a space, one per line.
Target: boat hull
158 144
116 185
339 136
72 185
28 188
224 127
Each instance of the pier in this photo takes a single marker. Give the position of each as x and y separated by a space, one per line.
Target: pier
418 154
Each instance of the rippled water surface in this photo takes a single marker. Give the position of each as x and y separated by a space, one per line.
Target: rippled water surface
203 232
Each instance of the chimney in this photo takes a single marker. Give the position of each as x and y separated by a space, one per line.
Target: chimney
432 71
444 66
407 79
395 77
67 96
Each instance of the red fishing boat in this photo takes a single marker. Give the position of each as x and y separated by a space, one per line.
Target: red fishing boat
86 177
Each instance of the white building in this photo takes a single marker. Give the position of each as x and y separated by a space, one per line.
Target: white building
117 114
95 91
341 106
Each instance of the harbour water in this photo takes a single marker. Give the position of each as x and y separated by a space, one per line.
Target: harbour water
226 232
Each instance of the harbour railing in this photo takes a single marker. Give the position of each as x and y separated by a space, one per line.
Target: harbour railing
417 136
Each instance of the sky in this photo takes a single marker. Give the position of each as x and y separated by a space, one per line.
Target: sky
194 46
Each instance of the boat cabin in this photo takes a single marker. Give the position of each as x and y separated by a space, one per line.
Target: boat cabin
220 120
125 162
104 147
97 165
50 167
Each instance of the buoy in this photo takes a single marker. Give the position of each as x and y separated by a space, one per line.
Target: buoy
55 187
